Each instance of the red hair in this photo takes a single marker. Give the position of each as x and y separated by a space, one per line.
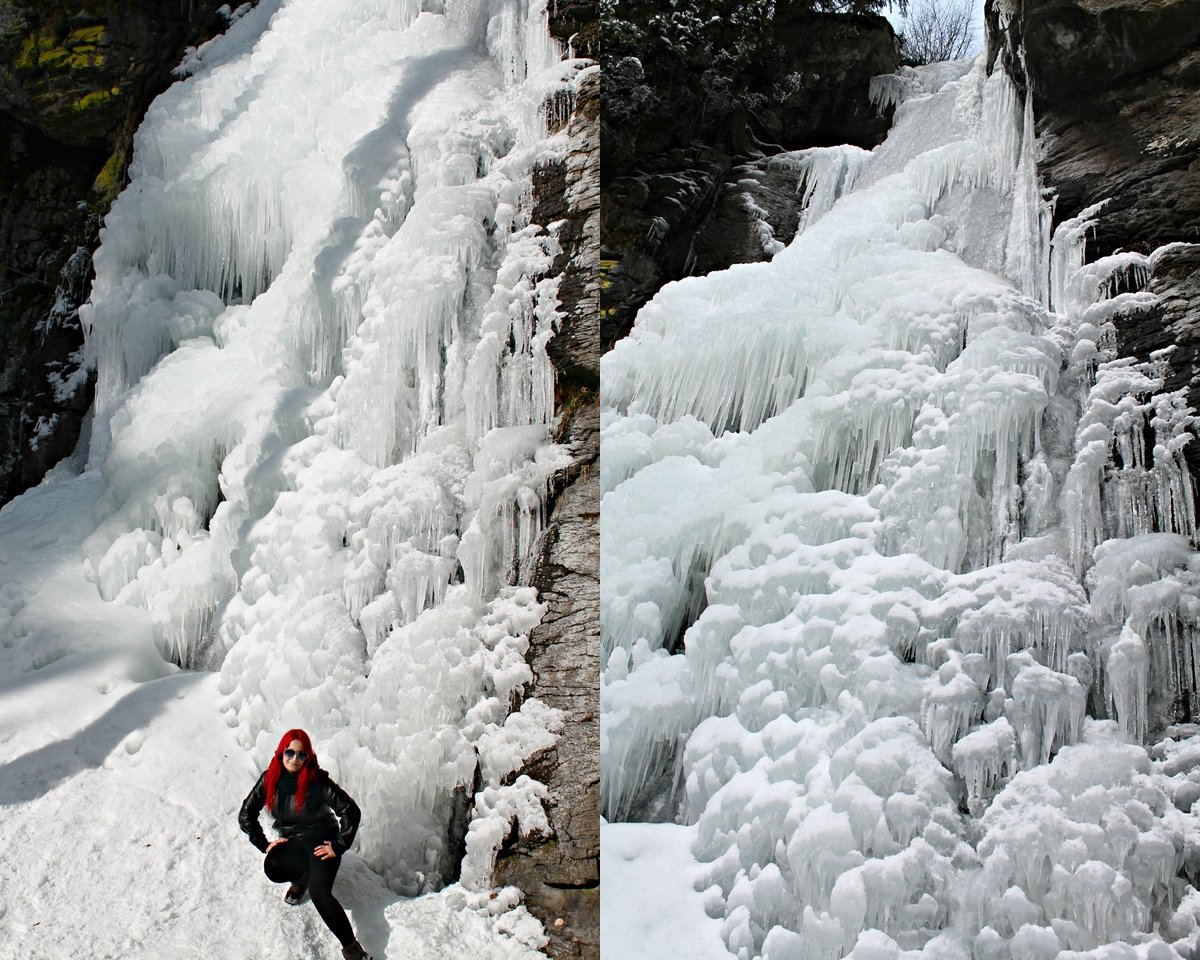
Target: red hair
308 772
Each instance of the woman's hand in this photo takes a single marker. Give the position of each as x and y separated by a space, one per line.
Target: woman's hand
274 843
325 851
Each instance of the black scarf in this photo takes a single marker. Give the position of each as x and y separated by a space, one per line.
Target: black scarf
285 790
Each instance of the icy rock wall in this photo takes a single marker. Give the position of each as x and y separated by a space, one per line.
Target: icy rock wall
559 873
324 402
77 77
898 568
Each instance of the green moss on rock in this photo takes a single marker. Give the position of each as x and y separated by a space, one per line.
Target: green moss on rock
80 50
27 59
110 179
606 268
97 98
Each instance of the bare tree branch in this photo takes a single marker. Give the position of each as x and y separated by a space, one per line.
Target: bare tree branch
937 30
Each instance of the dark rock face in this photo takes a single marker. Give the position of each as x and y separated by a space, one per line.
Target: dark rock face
560 874
1116 90
758 211
1175 322
668 206
1116 93
76 77
1175 281
577 24
41 229
648 222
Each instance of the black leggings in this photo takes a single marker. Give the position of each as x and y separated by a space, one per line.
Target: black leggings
295 861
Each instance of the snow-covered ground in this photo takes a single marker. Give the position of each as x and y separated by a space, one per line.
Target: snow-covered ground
649 905
319 446
899 591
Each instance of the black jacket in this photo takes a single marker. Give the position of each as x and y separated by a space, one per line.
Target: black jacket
328 811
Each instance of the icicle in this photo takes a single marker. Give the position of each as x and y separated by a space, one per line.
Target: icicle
1007 132
518 38
1127 669
1029 225
984 758
826 173
1047 710
509 379
1114 487
1067 252
641 736
888 91
949 711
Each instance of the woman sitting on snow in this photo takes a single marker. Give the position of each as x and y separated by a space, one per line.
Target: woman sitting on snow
316 821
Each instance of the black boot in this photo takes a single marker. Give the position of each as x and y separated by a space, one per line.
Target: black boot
296 893
355 952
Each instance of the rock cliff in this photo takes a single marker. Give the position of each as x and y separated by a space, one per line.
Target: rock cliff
560 874
1116 93
677 156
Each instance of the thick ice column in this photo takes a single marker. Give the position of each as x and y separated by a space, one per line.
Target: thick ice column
1127 667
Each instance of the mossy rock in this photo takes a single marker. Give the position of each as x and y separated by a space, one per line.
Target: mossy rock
110 179
97 98
606 268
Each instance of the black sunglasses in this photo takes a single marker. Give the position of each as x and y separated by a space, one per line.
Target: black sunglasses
296 755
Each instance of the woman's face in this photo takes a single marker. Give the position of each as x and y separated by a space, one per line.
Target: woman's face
293 763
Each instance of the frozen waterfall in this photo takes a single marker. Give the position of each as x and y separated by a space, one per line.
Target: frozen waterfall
899 574
322 416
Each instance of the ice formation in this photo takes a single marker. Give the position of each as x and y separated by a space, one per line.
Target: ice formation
323 410
899 569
